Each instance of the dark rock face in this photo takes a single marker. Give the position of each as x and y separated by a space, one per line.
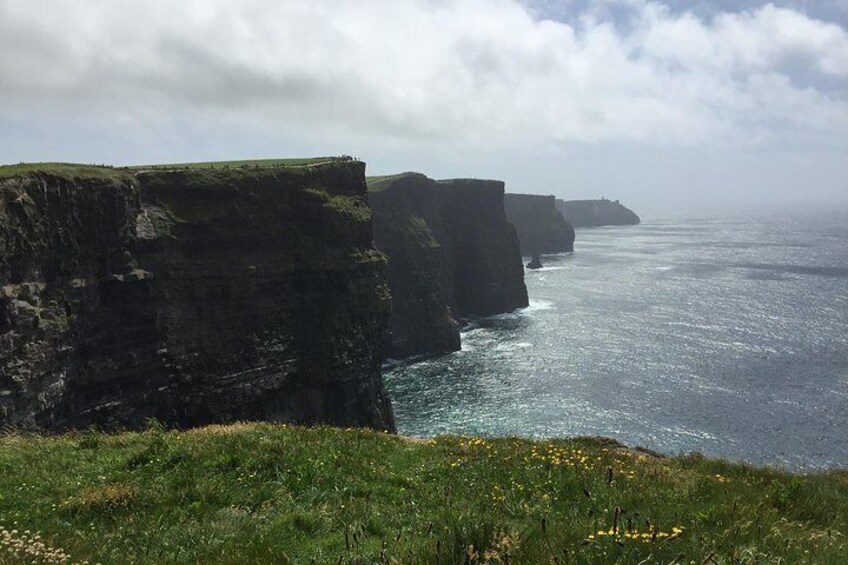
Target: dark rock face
591 213
419 268
451 254
488 275
541 228
192 297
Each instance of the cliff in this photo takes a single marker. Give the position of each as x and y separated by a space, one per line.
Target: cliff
419 270
451 254
191 296
540 226
590 213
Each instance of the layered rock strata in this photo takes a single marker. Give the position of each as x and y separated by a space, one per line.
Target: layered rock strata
451 254
190 296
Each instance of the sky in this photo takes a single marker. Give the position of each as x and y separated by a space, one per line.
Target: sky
672 106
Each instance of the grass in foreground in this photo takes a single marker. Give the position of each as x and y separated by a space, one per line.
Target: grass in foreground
261 493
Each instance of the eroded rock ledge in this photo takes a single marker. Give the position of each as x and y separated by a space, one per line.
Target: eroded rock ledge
192 296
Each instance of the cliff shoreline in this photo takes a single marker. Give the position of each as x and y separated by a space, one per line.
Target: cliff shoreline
451 254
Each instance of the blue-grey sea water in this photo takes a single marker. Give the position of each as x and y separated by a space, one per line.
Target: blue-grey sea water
724 336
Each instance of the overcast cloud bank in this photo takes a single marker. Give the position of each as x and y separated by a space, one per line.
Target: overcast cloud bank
483 77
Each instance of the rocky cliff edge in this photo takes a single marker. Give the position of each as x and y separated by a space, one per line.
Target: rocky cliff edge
451 254
190 295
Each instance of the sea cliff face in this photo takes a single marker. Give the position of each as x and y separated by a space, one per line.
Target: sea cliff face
191 296
419 268
592 213
451 254
540 226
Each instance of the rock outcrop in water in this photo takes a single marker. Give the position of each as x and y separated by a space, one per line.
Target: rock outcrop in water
541 228
535 263
451 254
592 213
190 296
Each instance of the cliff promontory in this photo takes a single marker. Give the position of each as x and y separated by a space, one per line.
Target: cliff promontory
540 226
190 295
591 213
451 253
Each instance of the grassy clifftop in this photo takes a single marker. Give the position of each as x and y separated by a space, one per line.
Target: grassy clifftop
247 163
66 170
273 494
378 183
82 171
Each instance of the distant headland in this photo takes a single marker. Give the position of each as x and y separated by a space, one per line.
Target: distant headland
593 213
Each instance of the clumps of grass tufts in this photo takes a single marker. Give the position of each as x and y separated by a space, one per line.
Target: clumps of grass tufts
107 498
213 430
28 547
90 439
264 493
501 549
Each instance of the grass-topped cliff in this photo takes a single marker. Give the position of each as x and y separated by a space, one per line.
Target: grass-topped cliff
254 493
246 163
63 170
378 183
193 293
592 213
87 171
451 253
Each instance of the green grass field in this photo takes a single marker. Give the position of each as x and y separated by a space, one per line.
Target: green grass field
262 493
68 170
80 171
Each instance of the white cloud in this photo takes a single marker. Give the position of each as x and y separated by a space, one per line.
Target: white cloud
766 39
479 72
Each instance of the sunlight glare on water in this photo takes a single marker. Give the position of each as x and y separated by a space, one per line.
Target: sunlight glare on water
728 337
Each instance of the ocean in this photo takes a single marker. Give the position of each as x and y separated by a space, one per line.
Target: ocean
724 336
